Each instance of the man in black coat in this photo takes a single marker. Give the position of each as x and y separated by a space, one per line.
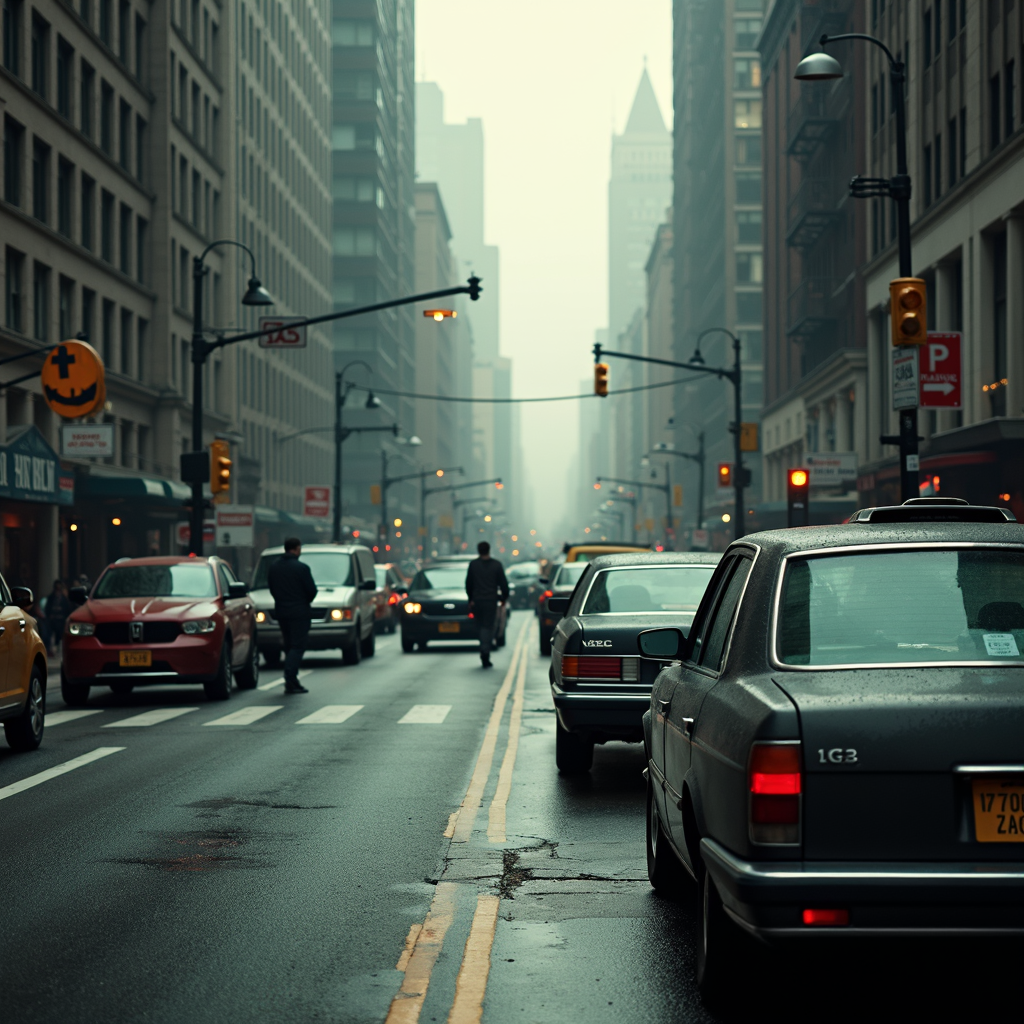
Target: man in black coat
293 590
486 588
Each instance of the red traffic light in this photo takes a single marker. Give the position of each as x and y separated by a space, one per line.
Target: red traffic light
798 478
725 474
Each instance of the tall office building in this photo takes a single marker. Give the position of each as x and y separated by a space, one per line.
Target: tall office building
717 228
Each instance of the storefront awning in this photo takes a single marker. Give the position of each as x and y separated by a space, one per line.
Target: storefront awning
105 484
30 469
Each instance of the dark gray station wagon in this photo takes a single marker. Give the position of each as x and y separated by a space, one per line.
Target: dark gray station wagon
838 749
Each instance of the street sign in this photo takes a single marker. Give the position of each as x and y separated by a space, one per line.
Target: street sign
184 533
748 437
235 526
317 502
905 378
826 468
278 332
700 540
677 495
374 494
87 440
941 371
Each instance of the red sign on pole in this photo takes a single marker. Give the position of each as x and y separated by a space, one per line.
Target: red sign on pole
941 371
279 332
318 502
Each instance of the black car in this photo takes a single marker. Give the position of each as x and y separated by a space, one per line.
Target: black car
525 587
437 608
600 686
562 584
838 748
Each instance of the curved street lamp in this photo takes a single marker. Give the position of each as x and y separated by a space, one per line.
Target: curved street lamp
340 394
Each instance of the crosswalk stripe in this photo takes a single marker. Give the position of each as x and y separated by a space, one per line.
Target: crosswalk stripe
425 714
332 714
60 717
280 682
57 770
246 716
154 717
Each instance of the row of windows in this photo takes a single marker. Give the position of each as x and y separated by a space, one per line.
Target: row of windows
193 197
120 335
193 20
265 387
955 163
69 204
931 28
192 108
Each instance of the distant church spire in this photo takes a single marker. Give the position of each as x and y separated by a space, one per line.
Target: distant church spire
645 116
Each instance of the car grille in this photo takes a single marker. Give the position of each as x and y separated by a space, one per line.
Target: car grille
152 633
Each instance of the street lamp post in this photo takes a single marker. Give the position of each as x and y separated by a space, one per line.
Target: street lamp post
386 482
340 394
818 67
255 295
665 488
697 458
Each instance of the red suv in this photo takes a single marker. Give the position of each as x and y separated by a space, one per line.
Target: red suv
161 620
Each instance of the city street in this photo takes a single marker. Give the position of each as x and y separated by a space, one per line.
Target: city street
225 862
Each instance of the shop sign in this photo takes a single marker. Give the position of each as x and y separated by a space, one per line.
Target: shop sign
184 533
317 502
30 470
827 468
87 440
280 332
235 526
73 380
700 540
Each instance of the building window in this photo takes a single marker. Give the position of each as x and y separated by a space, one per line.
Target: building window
12 36
40 53
141 233
183 275
14 160
748 150
183 187
994 121
107 226
140 47
126 341
65 301
88 212
747 30
927 38
951 151
140 149
40 179
107 119
125 136
88 313
997 394
197 204
350 32
746 113
142 344
14 262
749 268
105 20
748 227
107 341
65 183
355 241
927 175
938 166
88 89
126 239
41 302
123 30
65 59
963 141
347 187
748 307
1009 99
746 73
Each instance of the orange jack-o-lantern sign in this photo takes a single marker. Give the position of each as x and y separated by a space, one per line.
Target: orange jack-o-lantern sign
73 381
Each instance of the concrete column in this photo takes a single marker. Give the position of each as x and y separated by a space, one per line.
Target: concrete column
1015 315
941 308
48 560
131 460
841 423
978 328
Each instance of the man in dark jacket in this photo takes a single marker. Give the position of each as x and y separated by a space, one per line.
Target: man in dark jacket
486 588
293 590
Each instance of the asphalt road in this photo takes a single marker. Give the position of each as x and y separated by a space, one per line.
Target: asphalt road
406 854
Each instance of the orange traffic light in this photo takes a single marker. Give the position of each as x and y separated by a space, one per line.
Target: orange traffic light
499 485
908 300
602 373
798 482
220 466
798 477
440 314
725 474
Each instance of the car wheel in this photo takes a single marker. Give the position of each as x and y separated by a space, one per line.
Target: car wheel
368 647
500 641
574 754
408 646
219 688
25 732
663 867
353 654
272 656
720 947
122 689
545 646
248 675
73 694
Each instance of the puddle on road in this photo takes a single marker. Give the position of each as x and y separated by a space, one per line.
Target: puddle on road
208 850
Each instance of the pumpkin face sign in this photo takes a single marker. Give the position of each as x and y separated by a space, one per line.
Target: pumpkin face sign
73 380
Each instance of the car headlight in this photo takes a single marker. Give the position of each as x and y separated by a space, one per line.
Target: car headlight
341 614
81 628
412 608
261 616
199 626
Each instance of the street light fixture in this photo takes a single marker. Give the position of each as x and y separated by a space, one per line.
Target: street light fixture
340 394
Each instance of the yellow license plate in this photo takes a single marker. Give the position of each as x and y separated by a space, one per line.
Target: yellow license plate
998 810
135 659
448 627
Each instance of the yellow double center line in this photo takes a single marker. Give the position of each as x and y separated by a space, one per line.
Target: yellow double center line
424 942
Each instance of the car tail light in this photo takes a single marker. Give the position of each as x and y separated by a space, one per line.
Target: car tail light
827 918
543 597
581 667
776 784
393 599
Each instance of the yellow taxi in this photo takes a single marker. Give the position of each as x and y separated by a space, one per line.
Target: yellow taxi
588 552
22 670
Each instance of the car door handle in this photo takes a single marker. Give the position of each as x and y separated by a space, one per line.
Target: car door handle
687 727
663 705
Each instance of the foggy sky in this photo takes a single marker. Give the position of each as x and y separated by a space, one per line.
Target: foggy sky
552 80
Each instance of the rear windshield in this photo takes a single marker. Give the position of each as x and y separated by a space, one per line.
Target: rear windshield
329 569
903 606
380 573
569 574
673 588
521 569
184 580
441 577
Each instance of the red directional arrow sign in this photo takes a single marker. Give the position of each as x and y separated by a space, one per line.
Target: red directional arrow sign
941 371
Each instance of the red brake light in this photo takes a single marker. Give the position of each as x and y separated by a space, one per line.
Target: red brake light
393 599
775 768
580 667
827 918
776 783
546 595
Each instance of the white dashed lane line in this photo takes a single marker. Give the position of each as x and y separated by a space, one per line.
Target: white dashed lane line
332 714
425 714
246 716
154 717
57 771
60 717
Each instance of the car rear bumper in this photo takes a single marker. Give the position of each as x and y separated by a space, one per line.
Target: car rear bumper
417 628
190 659
605 716
323 636
967 898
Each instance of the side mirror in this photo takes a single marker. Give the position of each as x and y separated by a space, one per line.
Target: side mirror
22 597
543 580
664 644
558 605
78 595
237 590
368 585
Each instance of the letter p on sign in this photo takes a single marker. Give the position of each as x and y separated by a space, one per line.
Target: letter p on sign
940 373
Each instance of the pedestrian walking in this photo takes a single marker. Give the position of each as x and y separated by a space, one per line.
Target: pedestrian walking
293 590
486 588
58 608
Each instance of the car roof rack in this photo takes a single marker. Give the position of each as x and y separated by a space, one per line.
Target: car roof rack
934 510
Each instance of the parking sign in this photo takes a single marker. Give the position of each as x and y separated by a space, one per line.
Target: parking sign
940 371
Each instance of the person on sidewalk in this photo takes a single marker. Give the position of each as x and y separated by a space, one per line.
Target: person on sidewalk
293 590
58 608
486 588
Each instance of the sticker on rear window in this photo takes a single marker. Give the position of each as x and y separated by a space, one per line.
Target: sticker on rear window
1001 644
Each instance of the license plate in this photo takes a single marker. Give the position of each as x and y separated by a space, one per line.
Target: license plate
135 659
448 627
998 810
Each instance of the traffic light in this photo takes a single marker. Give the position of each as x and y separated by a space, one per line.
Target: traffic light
798 483
725 474
498 485
908 301
474 287
220 466
602 372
